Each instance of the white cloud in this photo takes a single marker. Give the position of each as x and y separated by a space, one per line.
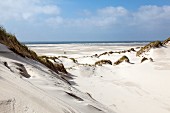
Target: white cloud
25 9
112 11
105 17
149 13
149 16
146 21
146 16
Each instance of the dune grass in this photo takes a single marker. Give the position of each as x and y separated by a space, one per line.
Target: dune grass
155 44
14 45
101 62
122 59
166 41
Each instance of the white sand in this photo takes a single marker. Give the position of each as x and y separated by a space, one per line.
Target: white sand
44 92
126 88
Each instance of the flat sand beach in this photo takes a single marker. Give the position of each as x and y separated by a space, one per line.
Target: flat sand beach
133 87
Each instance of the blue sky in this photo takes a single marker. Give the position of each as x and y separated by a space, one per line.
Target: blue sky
86 20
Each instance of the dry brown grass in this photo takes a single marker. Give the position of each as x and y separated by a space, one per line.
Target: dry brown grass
144 59
14 45
155 44
122 59
101 62
166 41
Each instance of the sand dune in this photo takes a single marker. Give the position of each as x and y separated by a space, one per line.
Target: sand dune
133 87
42 92
90 86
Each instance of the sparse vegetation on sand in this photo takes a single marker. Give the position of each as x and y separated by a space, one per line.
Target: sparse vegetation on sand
122 59
144 59
111 52
101 62
105 53
74 60
155 44
166 41
14 45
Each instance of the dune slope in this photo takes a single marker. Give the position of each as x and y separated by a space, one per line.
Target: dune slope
43 92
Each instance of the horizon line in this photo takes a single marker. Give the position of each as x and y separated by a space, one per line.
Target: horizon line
43 42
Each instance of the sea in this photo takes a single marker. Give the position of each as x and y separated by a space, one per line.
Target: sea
99 43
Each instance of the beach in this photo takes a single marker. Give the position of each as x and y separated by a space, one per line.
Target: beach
85 78
131 87
84 56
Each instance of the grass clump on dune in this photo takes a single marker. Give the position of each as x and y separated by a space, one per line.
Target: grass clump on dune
101 62
155 44
122 59
74 60
59 67
144 59
14 45
166 41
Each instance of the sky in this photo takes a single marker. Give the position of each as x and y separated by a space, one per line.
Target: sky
86 20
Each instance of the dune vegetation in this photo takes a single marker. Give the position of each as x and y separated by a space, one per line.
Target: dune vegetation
155 44
122 59
166 41
99 63
14 45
